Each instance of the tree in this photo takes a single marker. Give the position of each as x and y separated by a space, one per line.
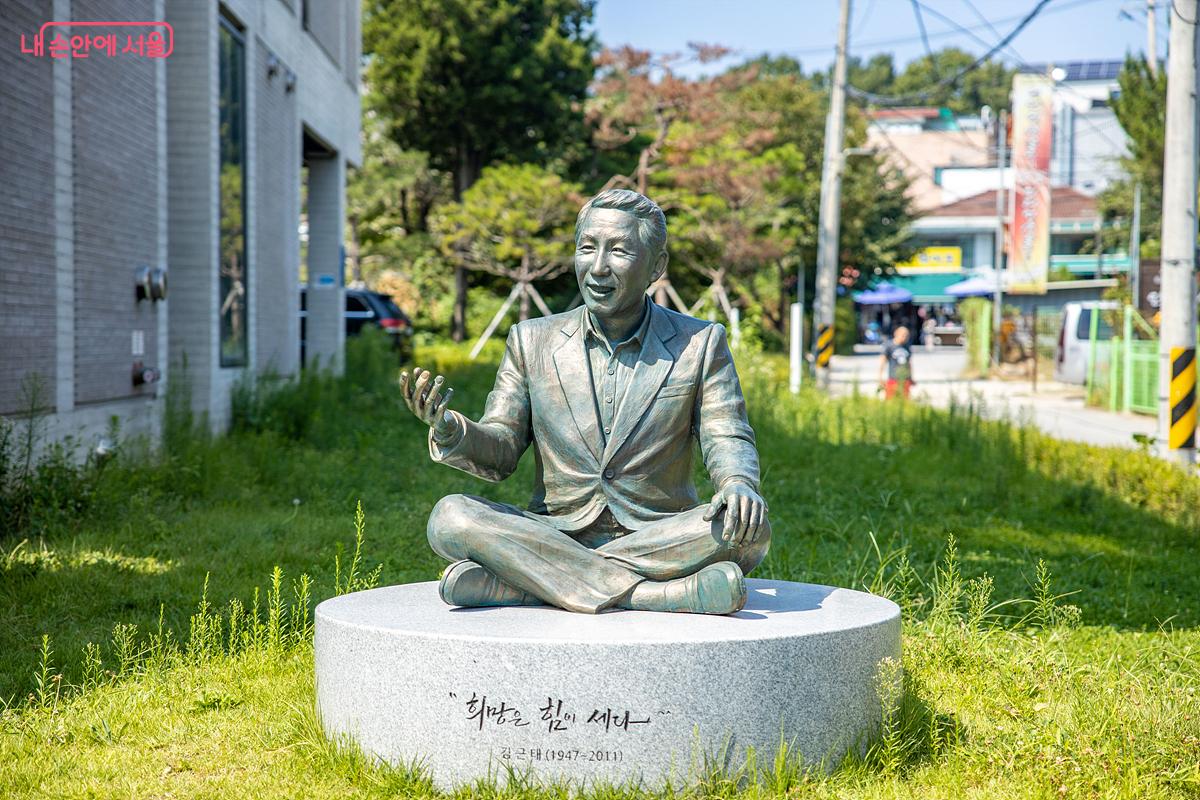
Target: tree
663 130
471 82
988 84
388 199
735 162
927 81
636 100
875 211
1141 108
877 75
516 222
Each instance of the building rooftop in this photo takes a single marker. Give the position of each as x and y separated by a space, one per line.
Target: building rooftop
1065 204
906 113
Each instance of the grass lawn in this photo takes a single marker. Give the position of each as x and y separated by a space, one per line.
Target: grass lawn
1051 597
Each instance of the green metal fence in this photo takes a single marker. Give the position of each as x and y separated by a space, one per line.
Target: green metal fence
1129 375
1141 385
1123 370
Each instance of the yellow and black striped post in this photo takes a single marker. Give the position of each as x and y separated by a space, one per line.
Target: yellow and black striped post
824 345
1182 398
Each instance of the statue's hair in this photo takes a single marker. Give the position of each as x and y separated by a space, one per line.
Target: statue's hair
651 221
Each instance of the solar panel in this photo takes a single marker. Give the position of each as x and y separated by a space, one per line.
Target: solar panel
1079 70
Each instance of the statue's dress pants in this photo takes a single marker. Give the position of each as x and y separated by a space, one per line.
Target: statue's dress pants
586 570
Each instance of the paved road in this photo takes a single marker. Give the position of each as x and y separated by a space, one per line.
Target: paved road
1055 408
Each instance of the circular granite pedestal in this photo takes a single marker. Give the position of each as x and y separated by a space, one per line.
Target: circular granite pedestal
619 697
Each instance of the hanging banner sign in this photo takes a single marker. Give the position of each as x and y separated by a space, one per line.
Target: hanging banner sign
1029 233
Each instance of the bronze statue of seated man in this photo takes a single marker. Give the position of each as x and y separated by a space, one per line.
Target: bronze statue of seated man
611 395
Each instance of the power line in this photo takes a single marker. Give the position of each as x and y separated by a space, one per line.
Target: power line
893 40
1022 63
979 15
953 79
1077 161
916 7
867 10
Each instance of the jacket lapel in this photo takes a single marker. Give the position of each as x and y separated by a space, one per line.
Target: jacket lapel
651 370
575 381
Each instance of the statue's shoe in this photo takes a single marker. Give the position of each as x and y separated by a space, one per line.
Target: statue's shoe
716 589
465 583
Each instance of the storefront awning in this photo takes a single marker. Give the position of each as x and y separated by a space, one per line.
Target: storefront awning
930 288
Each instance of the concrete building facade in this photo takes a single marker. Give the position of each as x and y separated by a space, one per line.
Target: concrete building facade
948 158
921 142
183 175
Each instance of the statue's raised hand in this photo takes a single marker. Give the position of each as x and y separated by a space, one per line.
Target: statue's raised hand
425 398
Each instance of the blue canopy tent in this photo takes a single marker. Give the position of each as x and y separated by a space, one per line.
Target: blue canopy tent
883 294
979 286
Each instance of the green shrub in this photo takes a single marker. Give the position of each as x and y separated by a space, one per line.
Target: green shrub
313 404
44 485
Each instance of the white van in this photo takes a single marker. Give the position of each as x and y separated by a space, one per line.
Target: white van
1071 359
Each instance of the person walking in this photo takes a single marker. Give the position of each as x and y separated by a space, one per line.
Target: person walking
897 360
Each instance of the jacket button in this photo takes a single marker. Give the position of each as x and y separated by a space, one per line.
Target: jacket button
608 473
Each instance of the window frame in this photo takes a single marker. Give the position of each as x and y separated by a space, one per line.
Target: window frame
227 24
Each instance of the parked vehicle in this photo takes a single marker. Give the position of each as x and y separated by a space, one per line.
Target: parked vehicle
1074 339
365 308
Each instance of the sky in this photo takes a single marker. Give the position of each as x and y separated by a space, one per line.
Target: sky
1065 30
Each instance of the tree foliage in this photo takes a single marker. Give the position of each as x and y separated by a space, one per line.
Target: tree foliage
388 200
735 161
516 221
471 82
926 81
1141 108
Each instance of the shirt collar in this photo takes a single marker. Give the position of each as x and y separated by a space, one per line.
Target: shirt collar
593 329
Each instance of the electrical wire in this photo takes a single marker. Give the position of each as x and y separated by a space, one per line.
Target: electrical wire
984 20
867 11
1093 172
955 78
933 65
1022 63
894 40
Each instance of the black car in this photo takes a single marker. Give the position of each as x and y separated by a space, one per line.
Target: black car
366 308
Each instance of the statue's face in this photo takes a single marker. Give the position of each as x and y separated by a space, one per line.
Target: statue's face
613 265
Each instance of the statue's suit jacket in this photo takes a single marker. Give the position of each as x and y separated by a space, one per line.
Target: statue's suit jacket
684 388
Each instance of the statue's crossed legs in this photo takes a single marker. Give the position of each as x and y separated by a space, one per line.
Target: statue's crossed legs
681 563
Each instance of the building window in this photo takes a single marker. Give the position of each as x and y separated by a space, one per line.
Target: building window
232 297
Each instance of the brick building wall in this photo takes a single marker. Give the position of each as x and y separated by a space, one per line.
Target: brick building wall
192 198
116 210
276 132
108 164
27 218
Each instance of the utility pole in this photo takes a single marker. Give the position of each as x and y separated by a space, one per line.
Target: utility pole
998 260
831 205
1177 342
1151 40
